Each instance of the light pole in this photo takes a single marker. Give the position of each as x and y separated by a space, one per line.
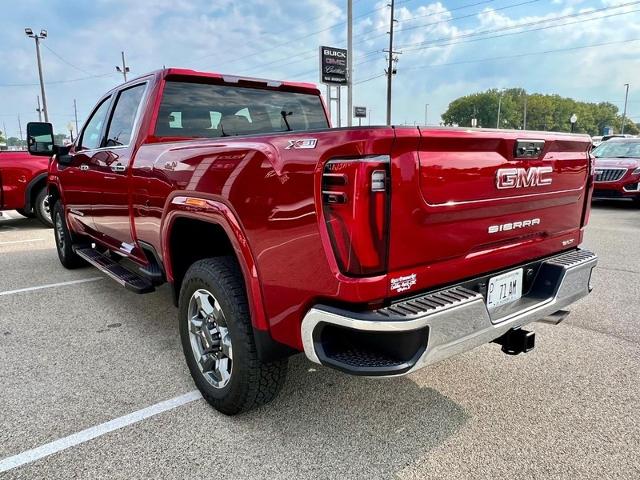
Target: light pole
573 120
426 114
350 62
37 37
499 107
124 70
390 65
624 113
39 110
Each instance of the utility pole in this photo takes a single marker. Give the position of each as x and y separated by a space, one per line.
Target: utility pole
390 65
75 113
20 127
37 37
39 110
349 62
426 114
499 106
5 134
624 113
524 123
124 70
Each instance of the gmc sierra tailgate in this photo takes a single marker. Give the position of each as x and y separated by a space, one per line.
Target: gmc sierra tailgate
468 202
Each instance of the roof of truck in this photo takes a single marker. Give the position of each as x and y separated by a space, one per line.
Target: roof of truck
302 87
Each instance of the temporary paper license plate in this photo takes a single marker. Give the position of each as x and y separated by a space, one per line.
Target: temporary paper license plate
505 288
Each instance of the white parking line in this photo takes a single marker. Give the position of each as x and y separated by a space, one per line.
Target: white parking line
51 285
22 241
97 431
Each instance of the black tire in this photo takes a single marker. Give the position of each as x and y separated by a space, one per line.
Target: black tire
42 209
64 240
252 382
25 213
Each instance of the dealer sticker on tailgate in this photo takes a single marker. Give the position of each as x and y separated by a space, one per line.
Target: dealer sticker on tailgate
505 288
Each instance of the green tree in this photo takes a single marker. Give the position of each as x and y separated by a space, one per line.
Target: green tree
544 112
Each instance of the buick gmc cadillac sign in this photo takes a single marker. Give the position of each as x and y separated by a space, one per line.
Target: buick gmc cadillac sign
333 66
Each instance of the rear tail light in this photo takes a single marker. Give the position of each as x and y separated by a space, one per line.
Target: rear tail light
355 201
586 209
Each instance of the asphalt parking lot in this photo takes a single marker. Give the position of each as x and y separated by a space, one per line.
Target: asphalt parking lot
76 355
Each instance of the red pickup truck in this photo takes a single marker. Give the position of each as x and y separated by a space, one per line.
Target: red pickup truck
23 185
376 251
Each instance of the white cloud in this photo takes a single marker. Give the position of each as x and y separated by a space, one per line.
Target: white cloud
254 37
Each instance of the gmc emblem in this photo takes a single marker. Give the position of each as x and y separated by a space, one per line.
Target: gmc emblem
523 177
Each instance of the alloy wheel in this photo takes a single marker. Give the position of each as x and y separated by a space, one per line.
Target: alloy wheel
60 233
210 339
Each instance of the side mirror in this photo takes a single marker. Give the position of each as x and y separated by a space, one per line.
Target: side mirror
40 139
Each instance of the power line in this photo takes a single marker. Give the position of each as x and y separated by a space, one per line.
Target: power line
525 31
65 61
413 27
430 46
513 27
309 54
308 35
505 57
56 81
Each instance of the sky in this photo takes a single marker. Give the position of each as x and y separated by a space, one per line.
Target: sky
586 50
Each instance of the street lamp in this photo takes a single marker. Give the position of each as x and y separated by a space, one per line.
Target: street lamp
573 120
37 37
624 113
124 70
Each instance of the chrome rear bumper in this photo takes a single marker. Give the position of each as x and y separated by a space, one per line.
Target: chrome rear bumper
444 323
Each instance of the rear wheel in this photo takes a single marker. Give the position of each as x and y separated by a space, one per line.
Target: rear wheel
217 339
42 209
64 241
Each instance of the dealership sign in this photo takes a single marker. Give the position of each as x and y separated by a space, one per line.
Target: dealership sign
360 112
333 66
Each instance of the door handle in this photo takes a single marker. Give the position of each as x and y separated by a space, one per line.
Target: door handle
84 167
118 167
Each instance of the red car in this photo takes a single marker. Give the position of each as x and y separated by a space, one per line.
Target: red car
373 250
23 185
617 169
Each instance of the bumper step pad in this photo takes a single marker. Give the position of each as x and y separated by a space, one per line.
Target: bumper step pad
126 278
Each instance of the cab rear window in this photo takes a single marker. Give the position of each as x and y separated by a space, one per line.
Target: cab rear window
210 111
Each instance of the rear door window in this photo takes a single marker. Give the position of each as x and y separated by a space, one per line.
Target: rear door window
124 116
205 110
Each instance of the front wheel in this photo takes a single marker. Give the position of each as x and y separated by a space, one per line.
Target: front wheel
64 241
42 208
217 339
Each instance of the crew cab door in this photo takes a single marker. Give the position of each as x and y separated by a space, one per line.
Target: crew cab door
79 179
111 212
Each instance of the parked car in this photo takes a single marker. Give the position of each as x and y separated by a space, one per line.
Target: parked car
617 169
616 135
596 140
375 250
23 185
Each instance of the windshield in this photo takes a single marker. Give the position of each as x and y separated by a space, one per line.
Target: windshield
205 110
618 150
